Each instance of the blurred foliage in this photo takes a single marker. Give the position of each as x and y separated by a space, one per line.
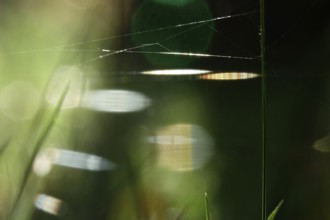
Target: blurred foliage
152 15
41 38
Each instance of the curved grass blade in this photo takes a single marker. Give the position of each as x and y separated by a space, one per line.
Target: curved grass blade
4 146
275 211
45 131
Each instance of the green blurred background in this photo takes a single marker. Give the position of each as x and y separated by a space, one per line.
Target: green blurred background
44 45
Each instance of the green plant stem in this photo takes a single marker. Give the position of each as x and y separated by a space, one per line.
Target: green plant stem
263 108
206 202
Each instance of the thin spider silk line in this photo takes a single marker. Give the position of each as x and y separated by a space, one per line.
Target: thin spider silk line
48 49
192 54
167 52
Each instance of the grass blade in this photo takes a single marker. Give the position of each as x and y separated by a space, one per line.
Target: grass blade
275 211
36 149
263 107
206 202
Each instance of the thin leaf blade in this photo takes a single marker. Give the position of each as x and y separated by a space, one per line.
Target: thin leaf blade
275 211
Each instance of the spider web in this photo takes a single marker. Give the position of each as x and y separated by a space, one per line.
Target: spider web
142 49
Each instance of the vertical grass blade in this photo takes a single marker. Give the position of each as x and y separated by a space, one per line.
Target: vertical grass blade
206 203
263 108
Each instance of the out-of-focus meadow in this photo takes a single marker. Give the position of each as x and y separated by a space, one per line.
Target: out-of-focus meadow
89 131
35 67
139 109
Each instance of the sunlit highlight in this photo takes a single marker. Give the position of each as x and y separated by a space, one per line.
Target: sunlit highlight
72 159
117 101
167 140
48 204
84 161
229 76
182 147
44 162
63 76
174 72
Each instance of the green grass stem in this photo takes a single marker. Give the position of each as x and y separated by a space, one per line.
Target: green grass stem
206 203
263 108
